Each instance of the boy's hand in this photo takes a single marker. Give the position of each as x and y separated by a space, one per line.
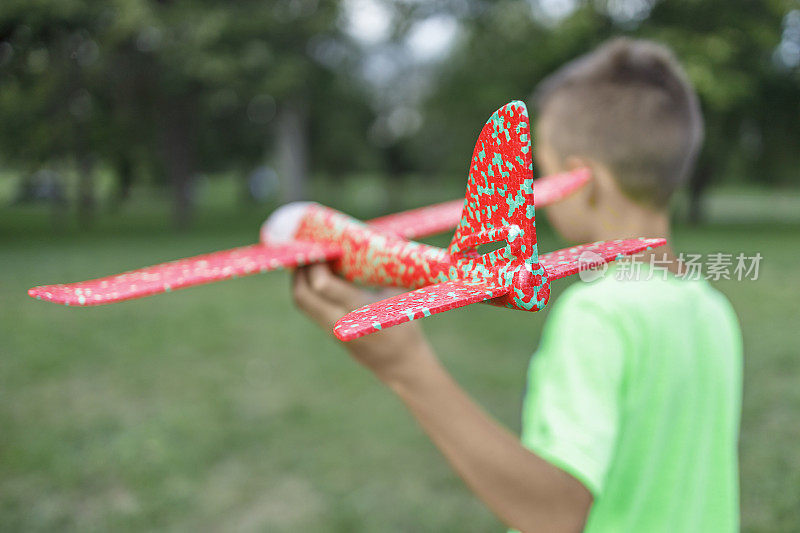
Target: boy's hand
325 298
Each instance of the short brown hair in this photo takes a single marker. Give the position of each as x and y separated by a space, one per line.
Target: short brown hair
629 105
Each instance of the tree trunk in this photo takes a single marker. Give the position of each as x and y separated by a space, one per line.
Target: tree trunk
124 174
179 159
698 183
292 147
59 206
86 201
396 169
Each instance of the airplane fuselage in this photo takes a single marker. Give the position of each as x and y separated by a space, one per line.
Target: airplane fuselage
371 256
378 258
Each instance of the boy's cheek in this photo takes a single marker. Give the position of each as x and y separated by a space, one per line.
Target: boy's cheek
569 221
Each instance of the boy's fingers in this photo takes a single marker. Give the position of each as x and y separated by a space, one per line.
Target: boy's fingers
334 288
322 311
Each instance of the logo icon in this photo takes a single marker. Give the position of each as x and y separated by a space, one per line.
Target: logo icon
592 266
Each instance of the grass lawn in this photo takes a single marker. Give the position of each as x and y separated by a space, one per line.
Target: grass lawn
221 408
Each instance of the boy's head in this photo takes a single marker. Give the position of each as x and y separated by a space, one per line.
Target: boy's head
628 112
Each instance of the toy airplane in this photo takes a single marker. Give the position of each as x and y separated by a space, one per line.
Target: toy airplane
498 208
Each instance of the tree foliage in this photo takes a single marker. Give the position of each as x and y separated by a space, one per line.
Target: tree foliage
167 89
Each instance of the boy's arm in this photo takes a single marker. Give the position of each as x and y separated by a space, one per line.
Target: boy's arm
522 489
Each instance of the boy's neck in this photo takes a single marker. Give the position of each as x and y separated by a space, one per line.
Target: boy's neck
631 221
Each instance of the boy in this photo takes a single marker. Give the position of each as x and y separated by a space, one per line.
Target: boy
630 420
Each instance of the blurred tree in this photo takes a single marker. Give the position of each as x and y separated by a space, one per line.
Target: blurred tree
229 81
171 88
751 100
49 64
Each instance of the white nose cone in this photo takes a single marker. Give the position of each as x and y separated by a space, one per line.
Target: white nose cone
282 224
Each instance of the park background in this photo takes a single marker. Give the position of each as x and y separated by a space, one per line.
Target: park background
138 131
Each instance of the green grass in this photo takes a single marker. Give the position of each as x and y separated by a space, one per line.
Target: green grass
222 408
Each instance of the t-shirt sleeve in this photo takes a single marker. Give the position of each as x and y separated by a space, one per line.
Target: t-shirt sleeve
571 410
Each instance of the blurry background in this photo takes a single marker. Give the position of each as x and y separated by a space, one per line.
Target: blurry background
137 131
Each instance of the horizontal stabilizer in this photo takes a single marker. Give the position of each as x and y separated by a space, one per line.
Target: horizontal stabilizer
568 261
416 304
438 218
182 273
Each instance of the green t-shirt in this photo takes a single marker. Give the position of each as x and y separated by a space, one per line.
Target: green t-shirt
635 391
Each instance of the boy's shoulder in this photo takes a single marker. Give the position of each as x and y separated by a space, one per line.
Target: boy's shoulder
642 293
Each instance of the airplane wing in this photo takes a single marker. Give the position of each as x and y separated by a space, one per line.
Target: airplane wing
409 306
438 218
550 189
422 221
568 261
187 272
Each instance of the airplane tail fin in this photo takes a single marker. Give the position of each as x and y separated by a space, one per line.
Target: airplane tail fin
499 208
